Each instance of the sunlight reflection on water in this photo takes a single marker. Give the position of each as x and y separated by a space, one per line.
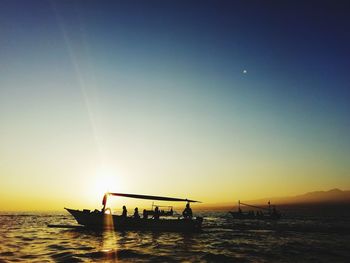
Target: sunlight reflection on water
26 238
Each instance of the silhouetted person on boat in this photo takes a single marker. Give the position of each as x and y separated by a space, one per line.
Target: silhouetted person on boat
145 214
156 213
104 201
125 212
136 213
187 213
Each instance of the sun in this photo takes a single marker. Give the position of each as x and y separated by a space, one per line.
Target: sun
105 181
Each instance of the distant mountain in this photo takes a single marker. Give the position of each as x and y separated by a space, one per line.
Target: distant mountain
331 196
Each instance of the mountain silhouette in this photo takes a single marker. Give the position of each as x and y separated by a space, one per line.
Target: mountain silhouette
331 196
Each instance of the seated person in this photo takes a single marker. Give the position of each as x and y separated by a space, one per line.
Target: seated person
125 212
156 213
145 214
136 213
187 213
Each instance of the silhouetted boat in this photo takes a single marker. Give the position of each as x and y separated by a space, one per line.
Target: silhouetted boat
270 213
100 219
162 212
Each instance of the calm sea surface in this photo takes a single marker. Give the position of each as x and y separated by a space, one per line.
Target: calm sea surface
299 237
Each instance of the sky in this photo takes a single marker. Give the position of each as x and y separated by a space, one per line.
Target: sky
209 100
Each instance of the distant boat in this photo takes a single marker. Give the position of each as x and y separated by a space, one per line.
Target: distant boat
105 219
270 213
168 212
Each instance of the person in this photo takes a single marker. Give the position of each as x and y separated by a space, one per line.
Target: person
104 201
187 213
145 214
156 213
125 212
136 213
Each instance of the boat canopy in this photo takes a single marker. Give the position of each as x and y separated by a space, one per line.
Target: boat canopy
149 197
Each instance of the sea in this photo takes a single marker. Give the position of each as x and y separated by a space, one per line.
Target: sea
302 235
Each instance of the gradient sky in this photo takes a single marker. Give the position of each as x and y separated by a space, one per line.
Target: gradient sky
210 100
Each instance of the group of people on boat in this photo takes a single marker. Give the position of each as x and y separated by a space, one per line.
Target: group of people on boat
187 212
259 214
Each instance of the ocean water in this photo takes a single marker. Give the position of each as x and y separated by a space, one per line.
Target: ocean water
298 237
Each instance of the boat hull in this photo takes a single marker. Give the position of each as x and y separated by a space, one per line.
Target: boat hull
98 220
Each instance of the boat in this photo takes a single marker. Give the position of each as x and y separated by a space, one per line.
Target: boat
104 219
162 212
270 213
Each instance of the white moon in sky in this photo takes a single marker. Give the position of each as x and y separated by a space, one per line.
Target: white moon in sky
245 71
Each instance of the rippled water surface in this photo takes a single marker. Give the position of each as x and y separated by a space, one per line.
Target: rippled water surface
296 238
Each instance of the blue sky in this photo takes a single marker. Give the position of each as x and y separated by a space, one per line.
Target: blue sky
158 90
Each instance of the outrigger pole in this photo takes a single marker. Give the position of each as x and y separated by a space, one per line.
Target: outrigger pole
148 197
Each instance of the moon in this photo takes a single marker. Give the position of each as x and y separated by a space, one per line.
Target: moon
245 71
